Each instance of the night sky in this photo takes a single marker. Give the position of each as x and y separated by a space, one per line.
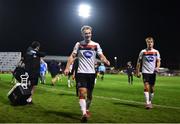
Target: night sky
120 26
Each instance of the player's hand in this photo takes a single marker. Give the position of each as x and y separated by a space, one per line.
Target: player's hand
138 74
66 71
156 70
107 62
73 77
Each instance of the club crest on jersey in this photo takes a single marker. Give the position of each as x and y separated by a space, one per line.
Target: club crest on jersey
88 54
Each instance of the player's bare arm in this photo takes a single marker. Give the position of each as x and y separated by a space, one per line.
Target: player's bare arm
158 61
138 65
103 59
69 62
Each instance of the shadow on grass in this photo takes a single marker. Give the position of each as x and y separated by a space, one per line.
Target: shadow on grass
65 114
66 94
128 104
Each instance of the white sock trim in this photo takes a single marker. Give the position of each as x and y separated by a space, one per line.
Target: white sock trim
82 103
146 95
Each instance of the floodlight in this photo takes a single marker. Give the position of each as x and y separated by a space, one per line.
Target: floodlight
84 10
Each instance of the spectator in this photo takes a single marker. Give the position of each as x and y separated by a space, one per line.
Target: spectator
101 70
54 71
43 70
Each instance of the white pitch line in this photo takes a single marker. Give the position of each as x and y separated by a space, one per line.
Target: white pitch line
117 99
131 101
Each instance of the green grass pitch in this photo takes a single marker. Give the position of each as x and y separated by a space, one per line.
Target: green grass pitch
114 101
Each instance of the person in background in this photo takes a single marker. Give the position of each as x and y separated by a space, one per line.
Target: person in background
32 65
130 72
96 72
101 70
74 70
43 71
149 60
70 74
54 71
61 74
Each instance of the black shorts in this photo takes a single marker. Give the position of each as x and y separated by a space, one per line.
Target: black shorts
151 78
53 75
60 72
102 72
85 81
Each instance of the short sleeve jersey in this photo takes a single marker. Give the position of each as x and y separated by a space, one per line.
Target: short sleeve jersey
86 53
149 58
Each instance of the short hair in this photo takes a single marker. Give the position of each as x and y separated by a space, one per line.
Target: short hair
85 27
149 38
35 44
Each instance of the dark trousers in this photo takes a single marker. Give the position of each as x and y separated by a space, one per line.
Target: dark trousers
130 79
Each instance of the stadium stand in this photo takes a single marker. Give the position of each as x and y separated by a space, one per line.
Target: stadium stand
9 61
57 58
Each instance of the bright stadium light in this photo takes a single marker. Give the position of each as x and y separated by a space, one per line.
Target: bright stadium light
84 10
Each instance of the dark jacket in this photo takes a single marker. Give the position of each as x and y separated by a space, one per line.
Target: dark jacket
130 70
32 60
54 68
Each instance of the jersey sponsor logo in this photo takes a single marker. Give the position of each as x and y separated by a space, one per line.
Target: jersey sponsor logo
150 58
88 54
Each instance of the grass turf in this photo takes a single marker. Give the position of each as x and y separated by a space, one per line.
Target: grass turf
114 101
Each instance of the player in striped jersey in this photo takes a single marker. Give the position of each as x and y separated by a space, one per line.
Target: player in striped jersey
85 51
149 59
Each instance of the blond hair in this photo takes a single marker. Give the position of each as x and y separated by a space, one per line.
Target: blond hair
85 27
149 38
